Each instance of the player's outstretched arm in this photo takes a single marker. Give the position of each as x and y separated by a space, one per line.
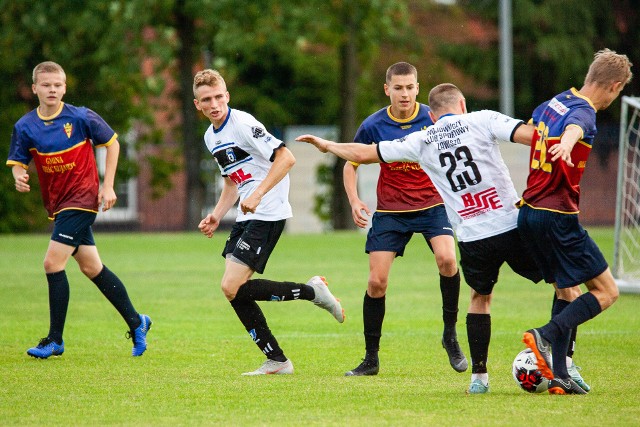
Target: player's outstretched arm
21 178
525 134
354 152
570 137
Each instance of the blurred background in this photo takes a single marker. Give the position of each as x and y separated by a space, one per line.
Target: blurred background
297 66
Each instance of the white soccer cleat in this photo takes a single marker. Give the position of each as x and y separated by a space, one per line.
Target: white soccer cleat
272 367
325 299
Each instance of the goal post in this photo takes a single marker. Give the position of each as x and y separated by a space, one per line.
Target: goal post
626 264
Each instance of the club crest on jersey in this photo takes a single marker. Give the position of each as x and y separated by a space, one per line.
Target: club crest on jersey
231 155
258 132
479 203
68 127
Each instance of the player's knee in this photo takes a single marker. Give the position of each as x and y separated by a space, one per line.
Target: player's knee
377 287
614 293
51 265
447 265
229 290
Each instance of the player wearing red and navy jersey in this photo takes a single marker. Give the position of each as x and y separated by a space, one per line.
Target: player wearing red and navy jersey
407 203
402 186
59 139
548 217
461 156
556 186
61 147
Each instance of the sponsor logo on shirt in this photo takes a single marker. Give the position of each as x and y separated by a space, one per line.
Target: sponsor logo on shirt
479 203
558 107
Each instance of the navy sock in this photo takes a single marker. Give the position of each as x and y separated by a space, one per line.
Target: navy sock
450 290
558 306
269 290
479 334
113 289
255 323
558 330
373 310
58 304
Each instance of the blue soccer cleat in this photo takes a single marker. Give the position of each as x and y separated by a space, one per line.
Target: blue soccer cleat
139 335
46 348
478 387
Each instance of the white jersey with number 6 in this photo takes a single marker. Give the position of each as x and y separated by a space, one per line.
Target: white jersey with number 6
244 151
461 156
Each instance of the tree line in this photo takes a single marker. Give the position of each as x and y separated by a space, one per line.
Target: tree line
287 62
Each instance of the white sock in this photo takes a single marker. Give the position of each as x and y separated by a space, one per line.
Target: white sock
482 377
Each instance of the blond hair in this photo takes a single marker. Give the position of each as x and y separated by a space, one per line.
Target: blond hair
443 96
47 67
609 67
207 77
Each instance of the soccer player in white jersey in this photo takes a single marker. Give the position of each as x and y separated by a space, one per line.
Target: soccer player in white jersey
255 167
461 156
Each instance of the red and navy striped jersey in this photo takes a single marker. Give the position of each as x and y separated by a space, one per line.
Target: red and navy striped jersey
554 185
61 147
402 186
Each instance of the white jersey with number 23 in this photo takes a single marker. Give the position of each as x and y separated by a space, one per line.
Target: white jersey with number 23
461 156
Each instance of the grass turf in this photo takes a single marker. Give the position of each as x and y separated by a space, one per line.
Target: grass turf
198 348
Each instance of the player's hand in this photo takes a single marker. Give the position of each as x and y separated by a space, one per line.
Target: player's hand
319 143
250 204
360 213
208 225
107 198
561 151
22 183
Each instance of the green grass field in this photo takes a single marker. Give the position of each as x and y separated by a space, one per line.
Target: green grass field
190 374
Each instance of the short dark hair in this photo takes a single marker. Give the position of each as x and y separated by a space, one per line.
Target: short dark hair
401 69
443 96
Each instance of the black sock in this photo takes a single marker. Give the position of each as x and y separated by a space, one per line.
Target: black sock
450 290
558 331
479 334
558 306
269 290
112 288
373 315
583 308
255 323
58 304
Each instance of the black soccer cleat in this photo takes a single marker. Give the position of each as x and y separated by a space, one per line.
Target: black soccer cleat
566 386
367 367
457 358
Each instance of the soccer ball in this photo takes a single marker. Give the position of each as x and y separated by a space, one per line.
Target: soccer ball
526 373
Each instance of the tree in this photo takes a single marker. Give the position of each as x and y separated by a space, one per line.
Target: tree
355 29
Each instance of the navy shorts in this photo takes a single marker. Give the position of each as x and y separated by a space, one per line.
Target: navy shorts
562 249
253 241
481 260
391 232
73 227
